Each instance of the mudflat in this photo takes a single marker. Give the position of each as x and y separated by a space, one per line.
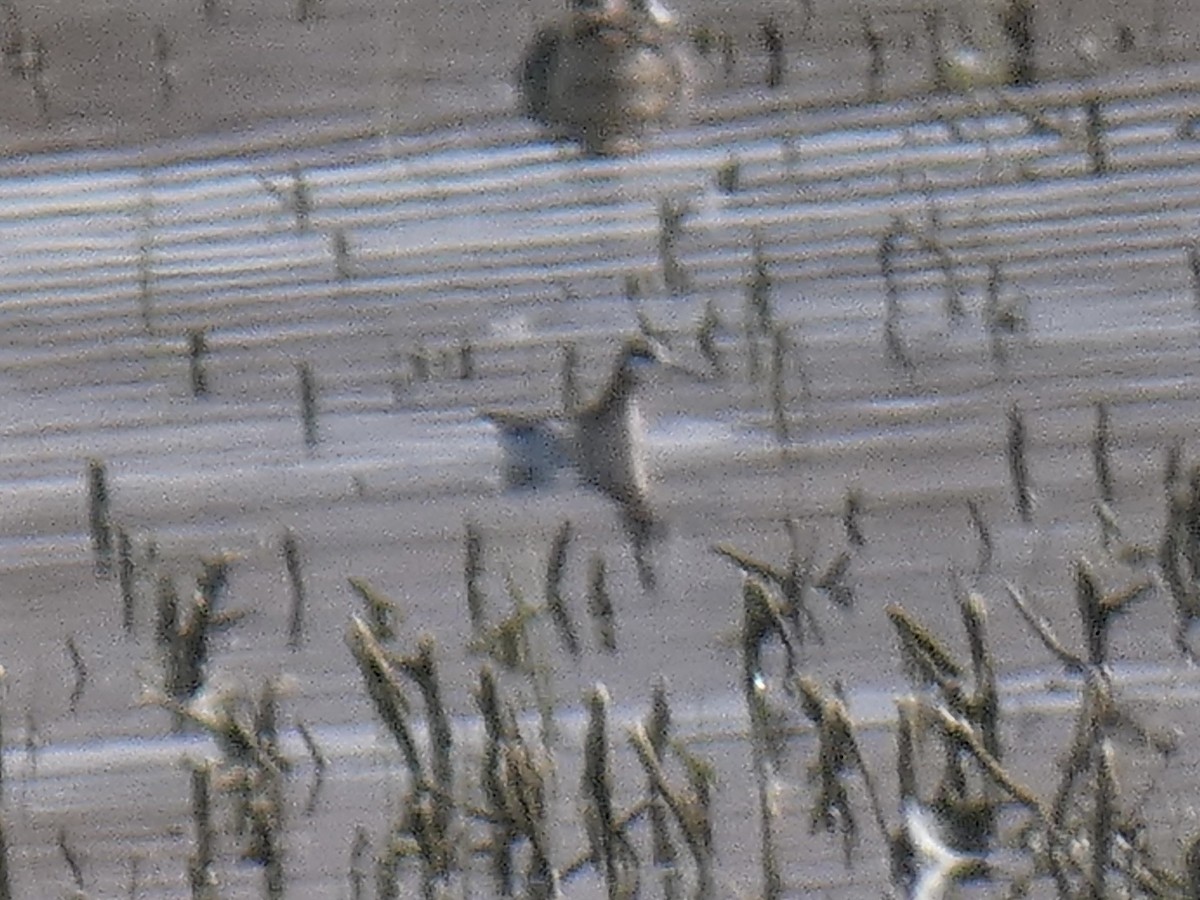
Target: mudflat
122 71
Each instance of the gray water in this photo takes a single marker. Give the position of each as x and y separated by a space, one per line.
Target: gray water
488 236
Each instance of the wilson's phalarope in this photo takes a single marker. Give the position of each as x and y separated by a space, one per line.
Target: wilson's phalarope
603 441
608 70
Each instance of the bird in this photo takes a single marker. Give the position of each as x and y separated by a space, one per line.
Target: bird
603 441
939 865
605 72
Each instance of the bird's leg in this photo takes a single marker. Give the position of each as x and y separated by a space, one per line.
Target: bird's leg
643 529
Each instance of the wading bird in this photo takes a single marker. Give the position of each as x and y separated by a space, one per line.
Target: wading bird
604 442
605 72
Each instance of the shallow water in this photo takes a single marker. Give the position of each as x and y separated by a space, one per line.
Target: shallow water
485 235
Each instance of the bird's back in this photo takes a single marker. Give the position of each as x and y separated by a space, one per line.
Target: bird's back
601 77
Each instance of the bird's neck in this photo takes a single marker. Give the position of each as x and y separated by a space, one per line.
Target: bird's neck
622 390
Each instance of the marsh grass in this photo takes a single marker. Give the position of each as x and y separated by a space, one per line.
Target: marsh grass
5 880
498 812
79 669
555 600
708 328
293 565
671 215
600 605
99 516
126 581
307 385
1018 467
964 812
1097 142
758 315
201 876
197 369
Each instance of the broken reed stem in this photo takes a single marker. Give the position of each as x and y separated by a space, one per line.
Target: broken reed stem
760 620
99 523
125 580
964 735
596 788
419 365
358 854
161 50
343 267
1100 453
166 613
932 17
473 576
197 351
919 643
671 214
556 603
1017 466
875 68
200 867
1110 527
466 359
386 694
757 318
301 198
657 728
984 704
1097 148
438 850
308 405
380 611
1103 819
984 533
706 337
145 272
266 811
514 785
507 642
893 342
600 606
729 175
833 582
1194 268
1038 626
187 652
5 881
69 857
993 315
81 673
772 880
292 563
1017 22
838 757
928 241
779 399
772 43
320 765
759 287
492 782
570 378
851 511
33 69
692 810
